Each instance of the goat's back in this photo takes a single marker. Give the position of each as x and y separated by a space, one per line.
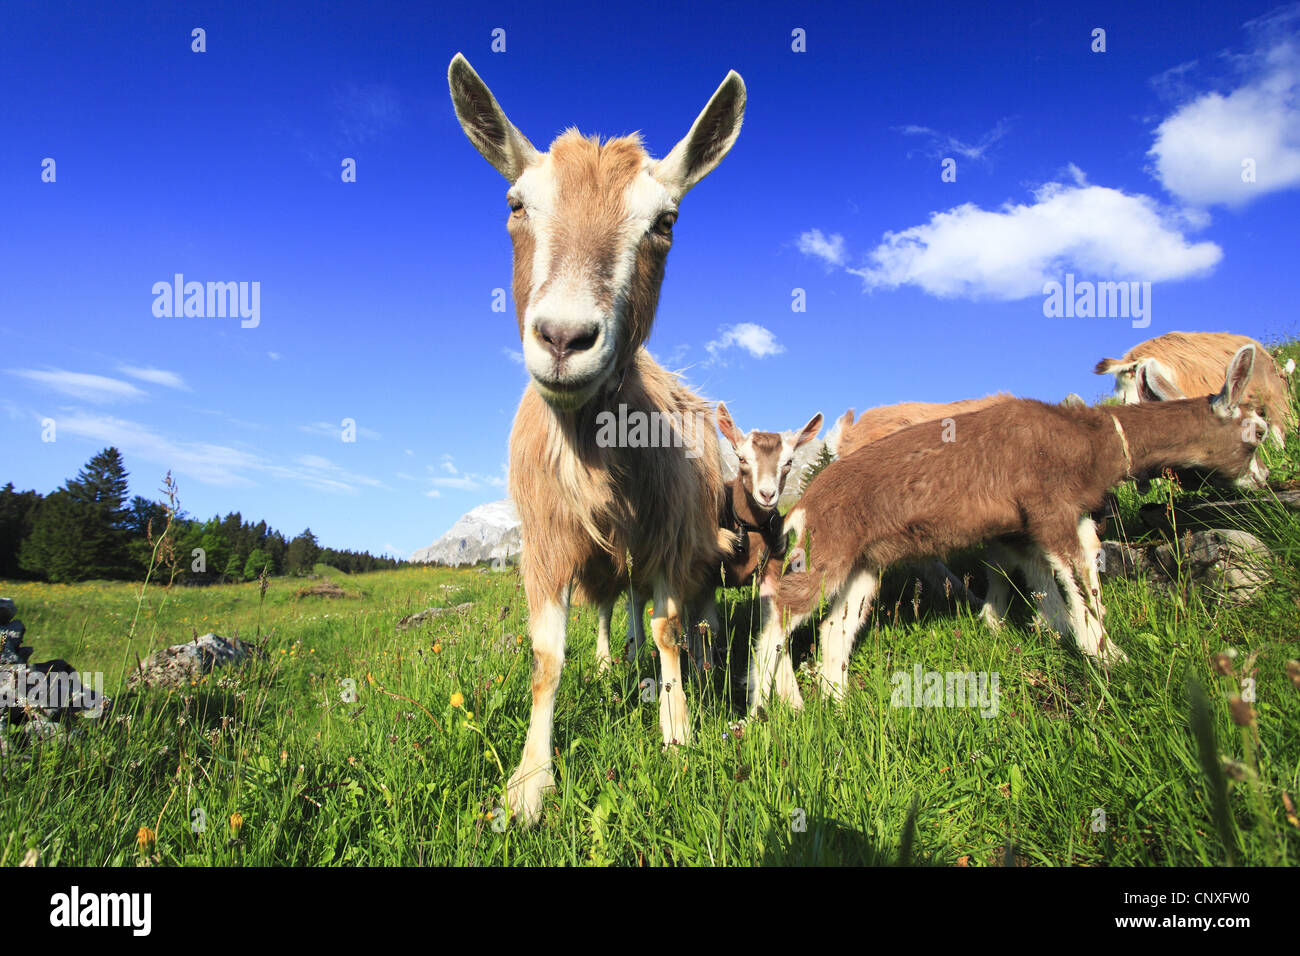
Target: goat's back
877 423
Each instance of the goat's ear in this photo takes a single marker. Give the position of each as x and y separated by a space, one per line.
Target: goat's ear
711 137
484 122
728 428
1234 385
1154 384
809 431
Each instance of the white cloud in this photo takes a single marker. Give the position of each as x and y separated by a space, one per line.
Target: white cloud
1199 149
1009 253
830 249
514 355
90 388
754 339
273 356
156 376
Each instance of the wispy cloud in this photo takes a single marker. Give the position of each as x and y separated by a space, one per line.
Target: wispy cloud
830 249
366 111
208 462
90 388
941 145
754 339
155 376
326 430
445 474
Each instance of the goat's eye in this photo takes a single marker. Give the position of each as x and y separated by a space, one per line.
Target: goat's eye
516 207
744 462
664 224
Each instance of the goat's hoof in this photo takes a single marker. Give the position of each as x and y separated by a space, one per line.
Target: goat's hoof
1112 656
830 690
791 697
526 792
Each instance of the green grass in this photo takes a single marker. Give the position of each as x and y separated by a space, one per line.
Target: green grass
384 781
342 746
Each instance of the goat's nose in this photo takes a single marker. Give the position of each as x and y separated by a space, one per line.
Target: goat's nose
564 338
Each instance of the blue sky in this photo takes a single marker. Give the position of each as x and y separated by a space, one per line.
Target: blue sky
375 296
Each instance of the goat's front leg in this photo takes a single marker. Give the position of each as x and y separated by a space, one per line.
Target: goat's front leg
772 653
666 626
787 687
838 630
603 615
704 633
546 628
1000 561
1083 592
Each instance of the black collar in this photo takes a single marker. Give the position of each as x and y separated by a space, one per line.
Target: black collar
772 531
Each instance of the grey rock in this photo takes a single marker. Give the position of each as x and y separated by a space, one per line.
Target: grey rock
1119 560
11 640
1211 515
181 664
50 689
37 692
40 730
1228 565
429 614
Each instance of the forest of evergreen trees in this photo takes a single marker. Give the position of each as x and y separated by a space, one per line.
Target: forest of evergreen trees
88 529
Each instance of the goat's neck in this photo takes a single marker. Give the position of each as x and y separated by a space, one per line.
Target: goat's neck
745 507
1160 435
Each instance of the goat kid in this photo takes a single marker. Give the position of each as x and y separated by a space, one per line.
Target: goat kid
1021 472
591 223
750 510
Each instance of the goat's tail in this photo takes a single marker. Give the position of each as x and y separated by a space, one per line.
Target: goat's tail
1109 366
797 592
836 434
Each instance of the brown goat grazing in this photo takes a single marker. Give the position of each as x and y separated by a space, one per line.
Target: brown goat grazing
750 511
1193 360
1022 473
592 223
876 423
